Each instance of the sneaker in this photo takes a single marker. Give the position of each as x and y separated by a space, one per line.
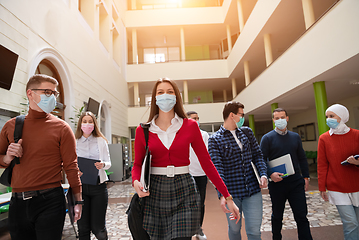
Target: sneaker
200 235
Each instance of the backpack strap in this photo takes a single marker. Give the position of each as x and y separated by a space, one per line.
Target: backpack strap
145 127
19 123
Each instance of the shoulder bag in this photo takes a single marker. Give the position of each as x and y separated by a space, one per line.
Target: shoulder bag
137 204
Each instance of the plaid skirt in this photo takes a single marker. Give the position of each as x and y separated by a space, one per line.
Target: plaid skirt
172 209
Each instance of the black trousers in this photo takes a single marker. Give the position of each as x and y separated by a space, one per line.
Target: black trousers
294 192
38 218
93 218
201 182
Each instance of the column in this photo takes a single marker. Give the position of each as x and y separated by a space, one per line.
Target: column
240 15
133 5
247 75
136 94
183 48
251 123
97 19
321 104
268 49
185 92
234 88
134 46
273 106
225 96
308 12
229 39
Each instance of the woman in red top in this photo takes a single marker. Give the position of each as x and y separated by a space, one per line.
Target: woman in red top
338 144
172 203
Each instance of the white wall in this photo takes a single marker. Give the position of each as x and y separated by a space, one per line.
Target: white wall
28 27
177 70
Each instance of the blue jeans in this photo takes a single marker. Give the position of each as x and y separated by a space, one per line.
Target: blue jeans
93 218
38 218
350 218
252 208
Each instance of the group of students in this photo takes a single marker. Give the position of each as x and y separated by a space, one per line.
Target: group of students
174 208
48 146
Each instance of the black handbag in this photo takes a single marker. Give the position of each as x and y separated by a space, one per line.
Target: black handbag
137 206
5 177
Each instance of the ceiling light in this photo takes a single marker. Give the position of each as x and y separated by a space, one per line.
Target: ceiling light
354 82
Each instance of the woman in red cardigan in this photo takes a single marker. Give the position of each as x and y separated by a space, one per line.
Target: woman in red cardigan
338 144
172 203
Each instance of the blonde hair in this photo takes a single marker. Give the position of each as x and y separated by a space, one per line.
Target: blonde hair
96 131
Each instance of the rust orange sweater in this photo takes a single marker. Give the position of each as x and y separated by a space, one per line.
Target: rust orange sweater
332 150
48 145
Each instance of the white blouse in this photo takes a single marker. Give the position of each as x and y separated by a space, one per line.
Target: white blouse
169 135
95 148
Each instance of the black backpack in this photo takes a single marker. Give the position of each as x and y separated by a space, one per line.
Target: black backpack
5 177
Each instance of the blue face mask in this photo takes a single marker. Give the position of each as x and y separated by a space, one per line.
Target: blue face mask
166 102
47 104
332 123
280 123
197 123
240 123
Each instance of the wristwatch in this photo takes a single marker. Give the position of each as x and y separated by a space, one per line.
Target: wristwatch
229 198
82 202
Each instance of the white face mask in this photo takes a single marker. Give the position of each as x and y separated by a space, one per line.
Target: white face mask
166 102
280 123
47 104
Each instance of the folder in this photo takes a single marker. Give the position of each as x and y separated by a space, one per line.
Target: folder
146 171
256 173
282 164
89 170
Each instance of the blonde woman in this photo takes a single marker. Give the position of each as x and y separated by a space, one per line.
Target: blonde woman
92 144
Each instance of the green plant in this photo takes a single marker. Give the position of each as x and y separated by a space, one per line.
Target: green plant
78 112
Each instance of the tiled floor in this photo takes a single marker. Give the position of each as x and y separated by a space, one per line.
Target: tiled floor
321 214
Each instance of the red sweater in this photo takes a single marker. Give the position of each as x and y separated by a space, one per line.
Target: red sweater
48 145
178 154
332 150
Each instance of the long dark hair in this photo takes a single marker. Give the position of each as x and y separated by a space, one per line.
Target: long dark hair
179 104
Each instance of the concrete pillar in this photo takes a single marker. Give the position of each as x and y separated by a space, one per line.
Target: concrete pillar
183 47
308 12
247 75
136 94
229 39
225 96
240 15
273 106
268 49
133 5
185 92
234 88
321 104
134 47
251 123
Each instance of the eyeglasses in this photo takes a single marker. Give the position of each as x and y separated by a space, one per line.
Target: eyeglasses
48 92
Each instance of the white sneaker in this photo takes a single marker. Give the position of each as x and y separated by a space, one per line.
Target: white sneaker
200 235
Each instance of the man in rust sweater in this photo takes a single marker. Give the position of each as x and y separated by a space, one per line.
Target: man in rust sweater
37 207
